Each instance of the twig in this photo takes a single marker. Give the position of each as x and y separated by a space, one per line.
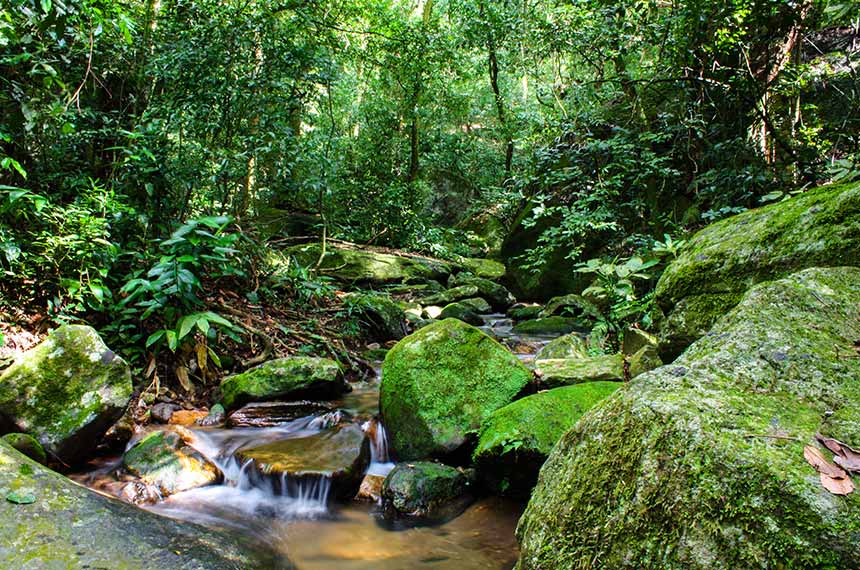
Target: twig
268 345
768 436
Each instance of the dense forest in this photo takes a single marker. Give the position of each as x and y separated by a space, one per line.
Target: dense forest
211 188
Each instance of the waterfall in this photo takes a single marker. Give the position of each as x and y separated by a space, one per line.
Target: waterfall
380 461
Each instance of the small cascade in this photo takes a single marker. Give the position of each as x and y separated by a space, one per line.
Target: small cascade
380 460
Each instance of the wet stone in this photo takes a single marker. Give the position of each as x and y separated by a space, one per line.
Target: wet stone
271 414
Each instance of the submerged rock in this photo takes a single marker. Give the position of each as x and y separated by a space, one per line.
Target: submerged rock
567 346
515 440
364 265
425 492
819 228
440 383
549 326
69 526
340 455
285 378
66 392
565 371
165 460
700 464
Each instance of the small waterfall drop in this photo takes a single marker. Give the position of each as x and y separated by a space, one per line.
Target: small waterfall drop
380 460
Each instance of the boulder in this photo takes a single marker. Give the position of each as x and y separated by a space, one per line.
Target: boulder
340 455
381 317
425 492
69 526
440 383
570 305
217 417
646 359
565 371
463 312
450 295
290 378
549 326
636 339
497 295
521 312
700 464
351 263
66 392
478 305
163 411
820 228
484 268
514 441
569 346
165 460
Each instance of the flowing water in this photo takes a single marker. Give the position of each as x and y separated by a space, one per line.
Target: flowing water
299 518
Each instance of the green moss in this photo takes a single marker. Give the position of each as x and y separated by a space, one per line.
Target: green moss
549 326
572 306
381 317
497 295
525 313
67 391
484 268
462 311
294 378
440 383
645 360
566 371
567 346
700 464
820 228
515 440
423 490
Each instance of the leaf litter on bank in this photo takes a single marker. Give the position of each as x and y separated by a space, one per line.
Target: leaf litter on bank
833 478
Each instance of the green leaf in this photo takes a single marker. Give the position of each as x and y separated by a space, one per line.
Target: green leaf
21 498
186 324
172 341
154 337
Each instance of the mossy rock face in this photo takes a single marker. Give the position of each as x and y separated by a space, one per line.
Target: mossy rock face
636 339
700 464
451 295
463 312
572 306
425 492
646 359
440 383
164 459
28 445
292 378
340 455
478 305
484 268
549 326
66 392
568 346
380 316
69 526
497 295
515 440
525 313
820 228
354 264
566 371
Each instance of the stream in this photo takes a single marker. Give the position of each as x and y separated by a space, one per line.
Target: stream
299 517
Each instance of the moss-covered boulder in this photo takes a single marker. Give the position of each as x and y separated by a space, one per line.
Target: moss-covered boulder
564 347
292 378
520 312
549 326
565 371
636 339
497 295
644 360
514 441
450 295
68 526
381 317
570 305
440 383
165 460
463 312
425 492
484 268
356 264
28 445
66 392
340 456
700 464
820 228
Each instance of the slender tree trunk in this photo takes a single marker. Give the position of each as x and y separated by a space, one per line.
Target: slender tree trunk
493 61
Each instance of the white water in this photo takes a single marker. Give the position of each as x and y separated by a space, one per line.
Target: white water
380 461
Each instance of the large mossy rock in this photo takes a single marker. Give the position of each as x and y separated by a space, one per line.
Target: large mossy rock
425 492
165 460
557 372
497 295
514 441
820 228
484 268
380 316
355 264
70 527
291 378
440 383
700 464
66 392
571 305
451 295
340 455
549 326
462 311
568 346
